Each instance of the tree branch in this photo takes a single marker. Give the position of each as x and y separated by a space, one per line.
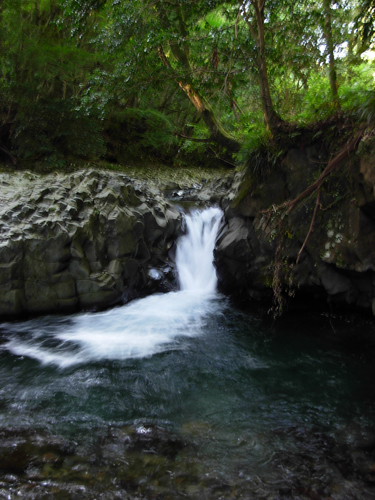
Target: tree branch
13 158
192 139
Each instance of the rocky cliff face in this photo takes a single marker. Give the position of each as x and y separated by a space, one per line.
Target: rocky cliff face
81 241
91 239
257 252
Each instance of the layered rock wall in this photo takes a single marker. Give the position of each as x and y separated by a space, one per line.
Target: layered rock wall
80 241
91 239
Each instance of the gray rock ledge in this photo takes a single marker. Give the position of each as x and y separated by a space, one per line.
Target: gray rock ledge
79 241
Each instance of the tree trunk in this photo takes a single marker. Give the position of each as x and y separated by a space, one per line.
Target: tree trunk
272 119
217 132
181 52
270 116
330 49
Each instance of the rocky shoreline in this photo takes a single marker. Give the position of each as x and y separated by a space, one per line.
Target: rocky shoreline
90 239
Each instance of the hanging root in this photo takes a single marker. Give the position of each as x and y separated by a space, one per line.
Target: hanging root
311 225
333 164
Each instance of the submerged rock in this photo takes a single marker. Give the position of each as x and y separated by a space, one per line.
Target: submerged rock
80 241
148 462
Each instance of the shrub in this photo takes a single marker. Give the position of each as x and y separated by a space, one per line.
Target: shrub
134 132
259 154
52 130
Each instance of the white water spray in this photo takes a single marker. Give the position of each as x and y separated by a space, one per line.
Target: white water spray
141 328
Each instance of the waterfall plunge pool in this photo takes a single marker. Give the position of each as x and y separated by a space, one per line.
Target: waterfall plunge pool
182 396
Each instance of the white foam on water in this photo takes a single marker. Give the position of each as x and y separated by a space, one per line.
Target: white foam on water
141 328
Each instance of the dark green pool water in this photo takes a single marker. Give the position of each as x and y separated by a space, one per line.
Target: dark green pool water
222 406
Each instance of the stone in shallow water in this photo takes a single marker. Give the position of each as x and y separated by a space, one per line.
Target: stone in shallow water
155 274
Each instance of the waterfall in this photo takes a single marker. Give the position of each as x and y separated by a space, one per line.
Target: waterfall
194 256
141 328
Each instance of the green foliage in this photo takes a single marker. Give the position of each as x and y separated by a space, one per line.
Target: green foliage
259 154
314 103
43 74
317 102
357 94
194 152
68 66
365 109
193 148
53 130
365 22
136 132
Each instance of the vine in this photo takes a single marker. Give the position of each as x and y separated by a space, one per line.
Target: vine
281 268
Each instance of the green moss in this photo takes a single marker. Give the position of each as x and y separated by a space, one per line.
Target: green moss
246 187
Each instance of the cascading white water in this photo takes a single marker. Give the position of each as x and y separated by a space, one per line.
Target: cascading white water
142 327
194 257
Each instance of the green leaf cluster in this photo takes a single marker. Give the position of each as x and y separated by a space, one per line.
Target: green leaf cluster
54 127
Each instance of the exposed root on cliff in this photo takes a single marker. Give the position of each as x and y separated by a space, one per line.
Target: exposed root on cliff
311 225
282 279
286 207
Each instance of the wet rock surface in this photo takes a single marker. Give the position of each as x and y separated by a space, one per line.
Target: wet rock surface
81 241
91 239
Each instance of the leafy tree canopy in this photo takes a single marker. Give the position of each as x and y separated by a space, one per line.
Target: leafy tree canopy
177 79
